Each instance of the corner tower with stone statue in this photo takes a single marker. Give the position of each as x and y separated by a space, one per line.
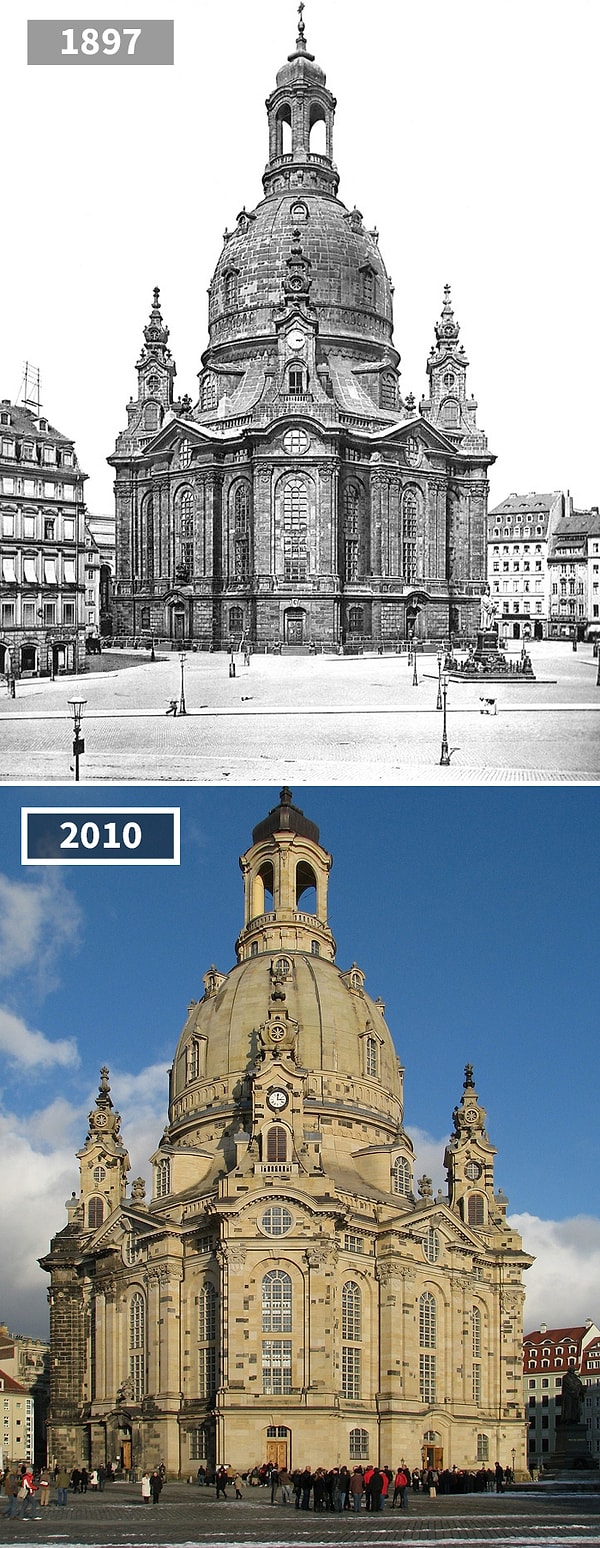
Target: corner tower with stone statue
300 499
290 1290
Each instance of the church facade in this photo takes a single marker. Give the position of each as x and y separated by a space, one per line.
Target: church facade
290 1290
301 500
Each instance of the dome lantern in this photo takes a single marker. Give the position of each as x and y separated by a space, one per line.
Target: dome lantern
286 875
300 102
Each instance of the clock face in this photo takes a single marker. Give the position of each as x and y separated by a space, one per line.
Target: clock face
277 1099
296 339
471 1114
276 1033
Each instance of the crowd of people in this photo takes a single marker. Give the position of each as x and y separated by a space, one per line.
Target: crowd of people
344 1488
24 1489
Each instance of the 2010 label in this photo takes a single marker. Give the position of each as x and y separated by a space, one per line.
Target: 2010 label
100 835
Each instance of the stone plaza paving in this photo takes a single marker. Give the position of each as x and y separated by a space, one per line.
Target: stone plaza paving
309 720
188 1515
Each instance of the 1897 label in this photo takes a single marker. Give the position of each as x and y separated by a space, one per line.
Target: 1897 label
100 42
98 835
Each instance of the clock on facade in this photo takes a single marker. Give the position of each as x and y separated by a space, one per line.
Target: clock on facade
277 1099
296 338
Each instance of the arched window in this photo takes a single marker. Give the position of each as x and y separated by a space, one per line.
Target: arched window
358 1445
356 619
368 287
163 1178
483 1448
295 527
431 1245
277 1302
262 891
371 1057
476 1333
351 518
137 1345
427 1321
306 888
351 1309
475 1209
186 532
209 393
147 539
317 131
193 1060
151 416
236 620
277 1143
231 288
207 1342
283 130
296 381
401 1178
450 412
409 534
241 518
351 1333
95 1213
388 390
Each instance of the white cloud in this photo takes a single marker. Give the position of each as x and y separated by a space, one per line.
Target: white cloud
31 1049
563 1285
38 919
429 1157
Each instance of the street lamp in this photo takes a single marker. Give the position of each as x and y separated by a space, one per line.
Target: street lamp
182 708
445 758
439 692
415 681
77 707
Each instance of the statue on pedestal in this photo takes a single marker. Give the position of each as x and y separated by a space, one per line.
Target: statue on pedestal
573 1393
489 610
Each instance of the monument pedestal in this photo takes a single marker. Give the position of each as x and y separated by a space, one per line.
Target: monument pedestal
487 643
572 1453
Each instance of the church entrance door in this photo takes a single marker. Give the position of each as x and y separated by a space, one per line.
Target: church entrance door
277 1453
433 1456
294 626
178 624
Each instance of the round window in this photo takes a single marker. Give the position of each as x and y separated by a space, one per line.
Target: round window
276 1220
99 1174
473 1171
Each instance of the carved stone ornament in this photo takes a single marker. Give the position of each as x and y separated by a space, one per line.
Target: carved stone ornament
385 1272
321 1253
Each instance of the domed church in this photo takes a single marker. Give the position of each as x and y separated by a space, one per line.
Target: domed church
290 1291
302 501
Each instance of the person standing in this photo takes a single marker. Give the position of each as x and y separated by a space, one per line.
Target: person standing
285 1484
45 1482
237 1483
62 1484
356 1488
155 1486
146 1490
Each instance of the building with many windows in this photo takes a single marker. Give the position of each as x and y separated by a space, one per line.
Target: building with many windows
302 499
547 1354
42 546
290 1290
571 561
520 532
26 1361
17 1436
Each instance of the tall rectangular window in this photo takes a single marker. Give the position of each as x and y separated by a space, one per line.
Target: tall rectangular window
350 1372
427 1377
277 1365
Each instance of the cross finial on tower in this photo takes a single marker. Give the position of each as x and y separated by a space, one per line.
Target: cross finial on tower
301 40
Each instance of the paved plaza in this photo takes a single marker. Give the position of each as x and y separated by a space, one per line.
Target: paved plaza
309 719
189 1515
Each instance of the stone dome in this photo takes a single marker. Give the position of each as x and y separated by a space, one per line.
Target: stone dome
349 287
330 1009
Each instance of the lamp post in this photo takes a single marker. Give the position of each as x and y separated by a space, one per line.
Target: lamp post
415 680
445 758
439 692
77 707
182 708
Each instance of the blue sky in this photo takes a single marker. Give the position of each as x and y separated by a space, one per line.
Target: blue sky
471 913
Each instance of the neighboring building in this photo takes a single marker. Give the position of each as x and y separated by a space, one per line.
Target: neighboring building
93 565
290 1290
302 500
102 531
569 571
547 1354
18 1426
593 571
42 538
519 537
27 1360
